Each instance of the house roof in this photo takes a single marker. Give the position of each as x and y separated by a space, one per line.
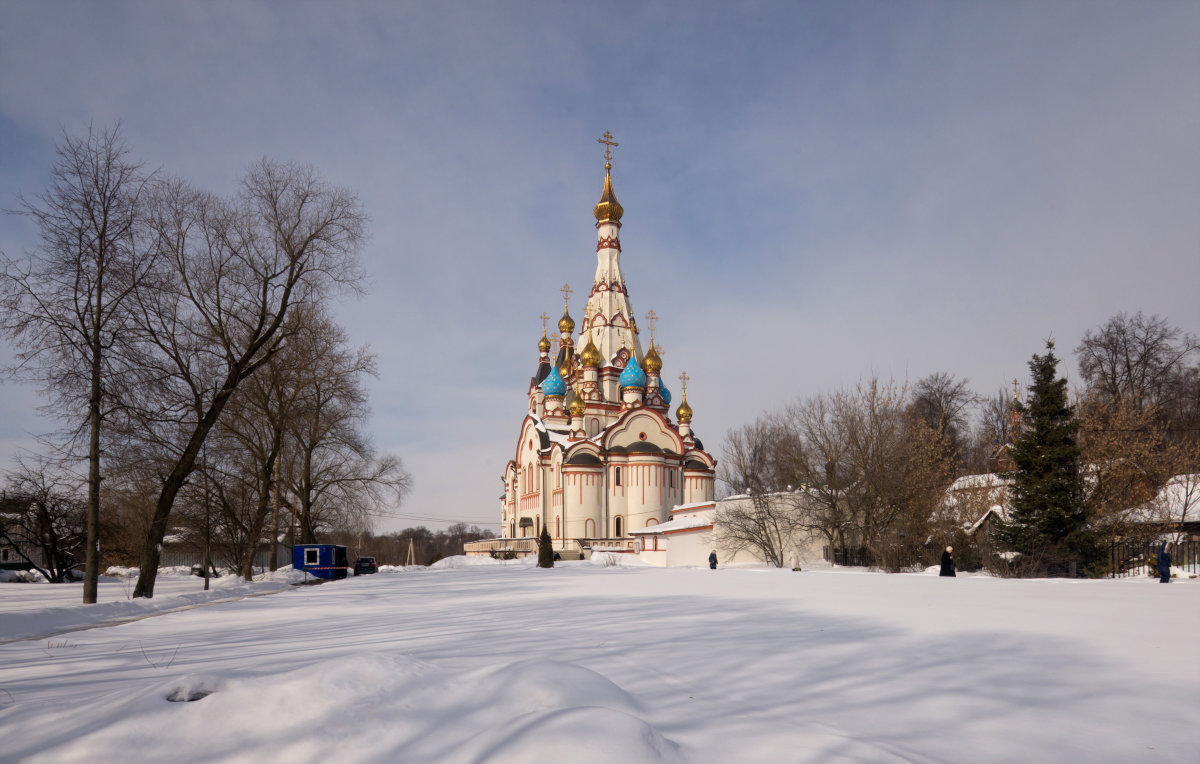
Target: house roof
975 482
693 506
1178 501
691 522
996 510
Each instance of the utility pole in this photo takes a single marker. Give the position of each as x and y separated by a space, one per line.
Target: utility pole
207 518
275 519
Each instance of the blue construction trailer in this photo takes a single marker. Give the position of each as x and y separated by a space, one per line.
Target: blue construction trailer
327 561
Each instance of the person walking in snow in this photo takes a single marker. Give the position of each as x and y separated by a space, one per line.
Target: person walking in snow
712 560
948 562
1164 565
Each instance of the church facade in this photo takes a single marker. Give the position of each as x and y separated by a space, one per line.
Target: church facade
598 454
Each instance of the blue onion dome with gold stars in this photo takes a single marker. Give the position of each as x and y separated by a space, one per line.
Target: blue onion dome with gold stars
666 395
633 376
554 386
653 361
684 412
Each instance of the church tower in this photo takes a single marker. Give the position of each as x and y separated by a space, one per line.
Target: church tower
598 455
610 319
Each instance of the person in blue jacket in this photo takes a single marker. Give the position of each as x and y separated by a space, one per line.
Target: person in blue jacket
712 560
1164 564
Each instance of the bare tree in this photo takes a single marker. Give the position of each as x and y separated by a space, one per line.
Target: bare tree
815 458
867 473
231 274
42 511
993 431
768 523
1136 357
331 470
256 421
65 304
941 402
749 456
1180 500
1124 445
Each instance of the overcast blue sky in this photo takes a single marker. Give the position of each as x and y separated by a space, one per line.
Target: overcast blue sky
814 191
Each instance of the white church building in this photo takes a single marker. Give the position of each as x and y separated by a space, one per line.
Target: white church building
598 455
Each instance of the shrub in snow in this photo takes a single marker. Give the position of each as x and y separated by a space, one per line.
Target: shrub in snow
545 550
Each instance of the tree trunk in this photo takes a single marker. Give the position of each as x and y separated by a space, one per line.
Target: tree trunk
307 536
255 529
275 522
91 567
174 482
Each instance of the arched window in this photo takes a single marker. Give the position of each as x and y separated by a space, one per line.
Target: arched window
589 528
557 527
618 527
537 527
618 476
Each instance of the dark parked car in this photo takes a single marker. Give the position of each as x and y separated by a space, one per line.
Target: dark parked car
365 565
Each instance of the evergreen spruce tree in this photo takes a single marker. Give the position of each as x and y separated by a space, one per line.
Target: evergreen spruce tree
1047 520
545 549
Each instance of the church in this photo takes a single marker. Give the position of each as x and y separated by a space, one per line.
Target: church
598 455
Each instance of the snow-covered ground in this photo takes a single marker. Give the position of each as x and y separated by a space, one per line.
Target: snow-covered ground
504 662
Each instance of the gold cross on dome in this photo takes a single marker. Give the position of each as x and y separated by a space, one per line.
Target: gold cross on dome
683 380
652 318
609 143
544 318
566 290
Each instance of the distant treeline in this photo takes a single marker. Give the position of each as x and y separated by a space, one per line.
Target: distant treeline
427 546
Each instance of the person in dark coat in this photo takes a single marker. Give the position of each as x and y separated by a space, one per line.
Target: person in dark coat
948 562
1164 565
712 560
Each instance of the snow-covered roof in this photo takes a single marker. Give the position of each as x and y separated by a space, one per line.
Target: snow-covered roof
693 506
678 524
1178 501
1181 496
994 509
975 482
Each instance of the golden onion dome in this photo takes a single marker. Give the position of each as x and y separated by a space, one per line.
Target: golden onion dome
684 412
577 406
653 363
608 208
566 324
544 343
590 358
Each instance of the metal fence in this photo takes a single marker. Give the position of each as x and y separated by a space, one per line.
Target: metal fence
1140 558
189 557
848 556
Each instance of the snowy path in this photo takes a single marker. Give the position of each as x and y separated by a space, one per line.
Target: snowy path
584 663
